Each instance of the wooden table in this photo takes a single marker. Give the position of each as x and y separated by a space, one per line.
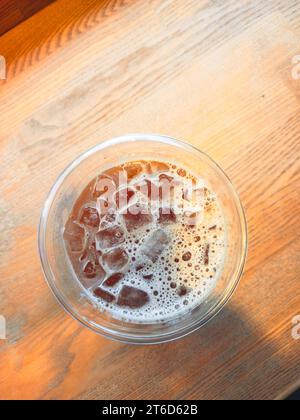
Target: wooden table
218 74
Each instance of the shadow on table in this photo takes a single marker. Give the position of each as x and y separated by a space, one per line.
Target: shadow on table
87 13
15 12
56 24
227 359
295 396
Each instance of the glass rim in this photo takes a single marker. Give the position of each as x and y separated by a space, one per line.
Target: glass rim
131 338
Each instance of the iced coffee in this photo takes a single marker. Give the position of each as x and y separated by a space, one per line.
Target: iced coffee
146 240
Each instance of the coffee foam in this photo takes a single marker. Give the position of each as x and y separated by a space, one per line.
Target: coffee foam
172 271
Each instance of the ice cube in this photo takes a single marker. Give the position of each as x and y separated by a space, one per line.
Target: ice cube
90 217
113 280
155 245
91 253
89 270
92 273
135 217
103 186
75 243
109 237
100 272
103 294
108 220
106 205
92 270
117 174
166 216
72 228
116 259
132 297
74 236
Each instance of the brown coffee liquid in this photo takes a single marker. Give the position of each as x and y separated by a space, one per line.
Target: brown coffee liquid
146 240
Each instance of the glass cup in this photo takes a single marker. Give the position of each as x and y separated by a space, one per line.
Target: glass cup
60 275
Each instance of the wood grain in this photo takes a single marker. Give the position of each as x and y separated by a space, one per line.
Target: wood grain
13 12
217 74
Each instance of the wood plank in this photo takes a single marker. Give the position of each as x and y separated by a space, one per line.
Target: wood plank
217 74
